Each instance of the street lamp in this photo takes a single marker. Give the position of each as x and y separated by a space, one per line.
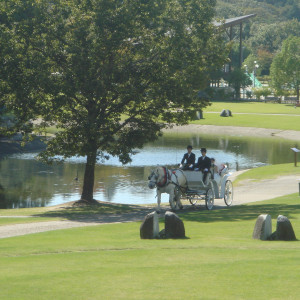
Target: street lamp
254 72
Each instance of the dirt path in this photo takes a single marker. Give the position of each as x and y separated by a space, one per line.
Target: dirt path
245 193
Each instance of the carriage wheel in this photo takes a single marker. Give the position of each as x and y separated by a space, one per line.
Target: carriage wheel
228 196
209 199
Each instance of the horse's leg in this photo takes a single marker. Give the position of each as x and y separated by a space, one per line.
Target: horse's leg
178 201
158 200
171 199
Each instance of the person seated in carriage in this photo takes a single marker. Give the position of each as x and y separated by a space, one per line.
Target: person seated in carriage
203 164
188 160
214 168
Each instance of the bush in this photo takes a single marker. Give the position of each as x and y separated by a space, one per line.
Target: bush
262 92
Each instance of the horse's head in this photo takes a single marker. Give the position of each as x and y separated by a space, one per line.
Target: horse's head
158 177
153 178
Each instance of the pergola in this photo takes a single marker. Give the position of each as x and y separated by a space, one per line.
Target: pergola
228 25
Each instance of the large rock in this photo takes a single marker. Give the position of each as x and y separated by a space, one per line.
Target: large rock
226 113
284 229
263 227
174 227
150 227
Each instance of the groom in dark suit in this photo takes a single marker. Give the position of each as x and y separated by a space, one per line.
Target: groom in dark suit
188 160
203 164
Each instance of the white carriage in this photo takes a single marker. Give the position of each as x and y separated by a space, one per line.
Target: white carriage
217 185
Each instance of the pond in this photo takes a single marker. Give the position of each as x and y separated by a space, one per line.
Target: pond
25 182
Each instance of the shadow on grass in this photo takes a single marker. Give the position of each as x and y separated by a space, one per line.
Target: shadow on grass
242 212
107 213
101 213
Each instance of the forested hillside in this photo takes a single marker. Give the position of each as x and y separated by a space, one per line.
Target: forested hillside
263 35
268 11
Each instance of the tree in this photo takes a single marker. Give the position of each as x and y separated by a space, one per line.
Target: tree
110 74
271 36
285 68
238 79
259 92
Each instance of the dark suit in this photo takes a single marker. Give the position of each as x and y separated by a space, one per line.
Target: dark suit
204 163
190 160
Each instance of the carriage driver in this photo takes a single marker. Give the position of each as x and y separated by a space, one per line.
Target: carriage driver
190 159
203 164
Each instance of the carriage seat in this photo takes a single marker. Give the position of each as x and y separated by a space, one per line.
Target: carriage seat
194 180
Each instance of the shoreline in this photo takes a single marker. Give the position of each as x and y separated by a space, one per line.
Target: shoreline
236 131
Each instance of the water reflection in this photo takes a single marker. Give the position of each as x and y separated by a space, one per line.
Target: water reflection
24 182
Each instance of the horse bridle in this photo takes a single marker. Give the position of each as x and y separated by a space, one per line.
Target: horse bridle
165 179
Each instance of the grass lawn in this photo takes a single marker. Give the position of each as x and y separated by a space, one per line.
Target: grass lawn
254 107
282 122
218 260
269 172
291 121
21 220
61 212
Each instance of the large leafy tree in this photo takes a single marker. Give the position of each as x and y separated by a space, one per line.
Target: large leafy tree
238 79
111 74
285 68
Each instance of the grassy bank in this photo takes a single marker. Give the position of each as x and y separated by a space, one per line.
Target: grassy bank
269 172
254 107
218 260
288 120
282 122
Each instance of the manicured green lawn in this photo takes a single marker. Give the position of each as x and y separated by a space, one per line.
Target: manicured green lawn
218 260
254 107
12 220
269 172
68 211
61 212
283 122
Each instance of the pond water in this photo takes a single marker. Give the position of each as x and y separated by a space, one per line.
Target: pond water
25 182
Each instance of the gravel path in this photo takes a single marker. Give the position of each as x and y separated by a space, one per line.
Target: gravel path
246 193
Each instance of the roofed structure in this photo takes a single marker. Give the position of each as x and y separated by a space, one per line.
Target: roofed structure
230 23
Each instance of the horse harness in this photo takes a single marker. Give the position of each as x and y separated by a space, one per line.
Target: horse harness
167 179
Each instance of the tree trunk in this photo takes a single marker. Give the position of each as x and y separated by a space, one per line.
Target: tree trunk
89 177
238 93
298 95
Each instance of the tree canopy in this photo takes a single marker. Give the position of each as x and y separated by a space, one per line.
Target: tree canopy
110 74
285 68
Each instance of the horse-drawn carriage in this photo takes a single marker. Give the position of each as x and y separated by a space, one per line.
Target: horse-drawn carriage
189 185
215 186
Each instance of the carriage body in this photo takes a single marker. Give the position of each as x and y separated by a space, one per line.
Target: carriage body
216 186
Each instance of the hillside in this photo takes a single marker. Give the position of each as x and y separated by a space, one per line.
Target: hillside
263 35
268 11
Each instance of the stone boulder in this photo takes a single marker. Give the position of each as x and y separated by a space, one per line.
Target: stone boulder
263 228
284 229
174 227
226 113
199 115
149 229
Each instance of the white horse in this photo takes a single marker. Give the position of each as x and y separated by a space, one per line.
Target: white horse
170 182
